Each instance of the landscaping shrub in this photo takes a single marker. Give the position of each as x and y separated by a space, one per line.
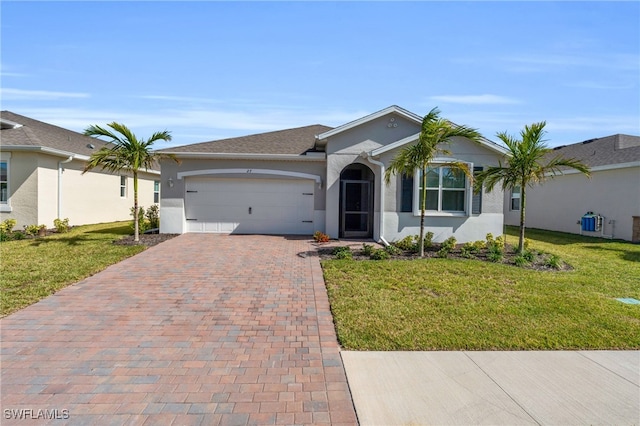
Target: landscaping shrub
344 254
7 225
143 225
495 248
479 245
153 216
554 262
469 250
408 243
341 249
446 247
61 225
411 242
428 239
520 261
367 249
33 230
392 250
496 256
320 237
528 255
498 242
379 254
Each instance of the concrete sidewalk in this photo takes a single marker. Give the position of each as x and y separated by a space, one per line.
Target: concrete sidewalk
497 388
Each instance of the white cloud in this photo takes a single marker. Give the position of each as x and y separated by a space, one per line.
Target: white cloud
170 98
21 95
601 86
486 99
12 74
549 62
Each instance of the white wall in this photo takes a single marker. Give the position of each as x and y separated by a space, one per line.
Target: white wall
464 229
94 197
559 203
85 199
23 189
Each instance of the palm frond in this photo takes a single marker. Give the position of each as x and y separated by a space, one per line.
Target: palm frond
556 165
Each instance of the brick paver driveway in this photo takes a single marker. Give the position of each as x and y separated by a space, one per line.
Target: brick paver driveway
202 329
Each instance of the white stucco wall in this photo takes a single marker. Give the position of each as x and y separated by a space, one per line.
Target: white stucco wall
463 229
85 199
23 188
559 203
95 196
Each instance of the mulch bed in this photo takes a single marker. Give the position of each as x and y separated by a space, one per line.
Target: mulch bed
148 240
539 263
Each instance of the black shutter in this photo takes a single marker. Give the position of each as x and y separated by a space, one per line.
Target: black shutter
406 194
476 200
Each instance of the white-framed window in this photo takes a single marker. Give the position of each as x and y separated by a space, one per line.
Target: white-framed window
156 191
5 193
447 191
123 186
515 198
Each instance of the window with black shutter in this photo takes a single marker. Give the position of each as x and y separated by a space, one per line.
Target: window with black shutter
476 199
406 194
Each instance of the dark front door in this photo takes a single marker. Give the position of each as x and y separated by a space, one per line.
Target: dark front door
356 211
356 202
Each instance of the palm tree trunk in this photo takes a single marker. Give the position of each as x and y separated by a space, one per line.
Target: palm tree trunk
522 215
423 206
136 228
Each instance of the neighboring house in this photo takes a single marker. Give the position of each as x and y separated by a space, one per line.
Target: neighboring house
317 178
41 177
613 192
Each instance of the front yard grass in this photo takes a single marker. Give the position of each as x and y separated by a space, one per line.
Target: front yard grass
453 304
36 268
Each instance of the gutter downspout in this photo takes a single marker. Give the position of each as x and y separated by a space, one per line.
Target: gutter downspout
60 163
380 164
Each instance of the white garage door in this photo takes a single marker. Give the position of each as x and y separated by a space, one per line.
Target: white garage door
249 206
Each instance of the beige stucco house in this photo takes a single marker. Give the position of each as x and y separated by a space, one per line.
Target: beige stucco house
317 178
41 177
612 193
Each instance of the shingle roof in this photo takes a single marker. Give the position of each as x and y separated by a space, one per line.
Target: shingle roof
291 141
39 134
609 150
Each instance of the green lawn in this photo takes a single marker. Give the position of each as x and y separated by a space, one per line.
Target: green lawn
35 268
447 304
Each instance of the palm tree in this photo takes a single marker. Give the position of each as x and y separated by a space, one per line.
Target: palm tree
525 168
127 153
434 133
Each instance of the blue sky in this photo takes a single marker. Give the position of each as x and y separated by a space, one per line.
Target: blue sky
210 70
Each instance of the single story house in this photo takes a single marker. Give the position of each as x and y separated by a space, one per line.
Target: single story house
41 177
318 178
611 195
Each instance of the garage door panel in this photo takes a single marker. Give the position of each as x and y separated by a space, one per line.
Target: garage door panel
276 206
